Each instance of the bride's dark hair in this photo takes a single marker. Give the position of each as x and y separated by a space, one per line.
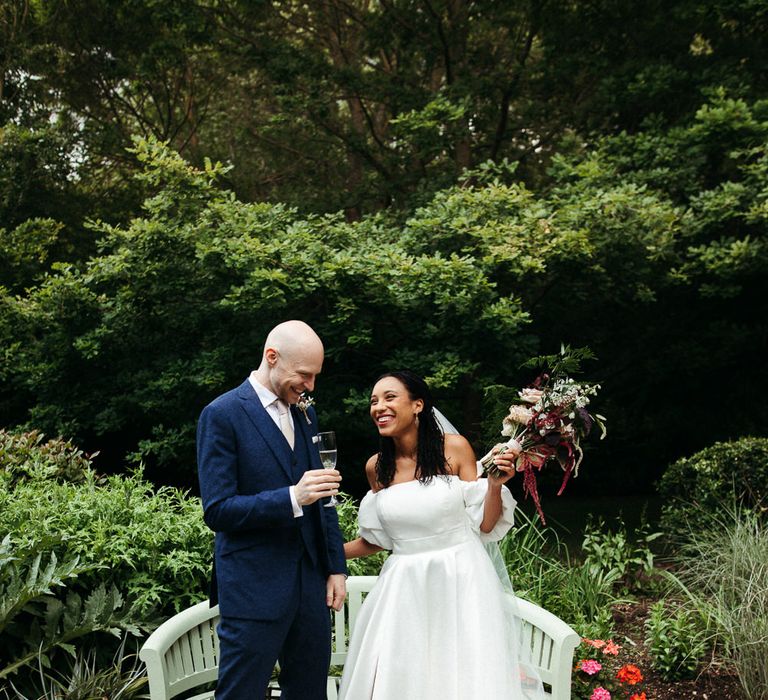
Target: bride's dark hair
430 452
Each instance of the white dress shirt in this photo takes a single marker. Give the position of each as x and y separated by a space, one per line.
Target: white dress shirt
269 401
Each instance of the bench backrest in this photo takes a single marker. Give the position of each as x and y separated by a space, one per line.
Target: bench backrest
183 652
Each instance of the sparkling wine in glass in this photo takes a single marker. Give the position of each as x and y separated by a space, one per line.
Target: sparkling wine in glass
326 443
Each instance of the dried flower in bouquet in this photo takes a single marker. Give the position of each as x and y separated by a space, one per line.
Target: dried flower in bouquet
548 420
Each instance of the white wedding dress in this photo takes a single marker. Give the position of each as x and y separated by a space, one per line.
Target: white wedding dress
438 624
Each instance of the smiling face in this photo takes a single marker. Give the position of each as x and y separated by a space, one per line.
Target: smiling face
291 373
392 408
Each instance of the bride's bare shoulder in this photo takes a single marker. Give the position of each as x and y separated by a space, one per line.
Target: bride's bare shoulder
370 472
456 443
459 455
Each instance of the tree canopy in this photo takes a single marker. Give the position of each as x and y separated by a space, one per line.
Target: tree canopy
450 186
359 105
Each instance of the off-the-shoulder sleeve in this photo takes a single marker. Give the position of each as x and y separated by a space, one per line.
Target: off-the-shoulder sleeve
474 500
371 529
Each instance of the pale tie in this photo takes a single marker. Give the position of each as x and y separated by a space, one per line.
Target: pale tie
285 421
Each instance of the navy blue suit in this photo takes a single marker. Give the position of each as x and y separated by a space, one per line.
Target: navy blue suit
270 567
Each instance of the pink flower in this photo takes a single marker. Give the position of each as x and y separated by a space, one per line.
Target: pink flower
590 666
597 643
600 693
611 648
519 415
530 395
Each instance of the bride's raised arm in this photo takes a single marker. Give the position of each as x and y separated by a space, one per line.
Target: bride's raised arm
493 505
461 459
360 547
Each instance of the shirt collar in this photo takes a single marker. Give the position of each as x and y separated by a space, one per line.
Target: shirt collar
266 396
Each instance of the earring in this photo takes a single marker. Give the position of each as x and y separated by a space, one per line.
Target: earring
416 416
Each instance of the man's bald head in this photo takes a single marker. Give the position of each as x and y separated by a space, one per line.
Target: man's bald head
292 358
291 337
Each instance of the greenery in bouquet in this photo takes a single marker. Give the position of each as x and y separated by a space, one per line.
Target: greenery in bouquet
549 419
601 674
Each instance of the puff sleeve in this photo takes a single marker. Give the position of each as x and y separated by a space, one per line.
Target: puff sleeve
474 502
371 529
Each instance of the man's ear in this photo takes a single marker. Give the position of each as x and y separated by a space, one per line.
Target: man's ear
271 354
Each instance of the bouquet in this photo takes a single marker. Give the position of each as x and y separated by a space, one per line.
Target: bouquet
548 420
600 675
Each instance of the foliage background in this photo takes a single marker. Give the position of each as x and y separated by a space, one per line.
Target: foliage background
83 557
452 186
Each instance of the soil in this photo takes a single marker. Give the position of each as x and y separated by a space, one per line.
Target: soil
713 682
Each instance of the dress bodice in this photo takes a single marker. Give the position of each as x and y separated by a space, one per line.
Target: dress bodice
413 517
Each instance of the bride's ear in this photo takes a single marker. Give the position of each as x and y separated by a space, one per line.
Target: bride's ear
418 406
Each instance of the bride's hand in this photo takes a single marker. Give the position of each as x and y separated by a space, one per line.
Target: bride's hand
505 462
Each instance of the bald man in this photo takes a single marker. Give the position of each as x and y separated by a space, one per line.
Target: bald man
279 557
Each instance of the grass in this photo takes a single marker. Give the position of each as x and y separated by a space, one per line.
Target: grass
543 571
723 573
86 679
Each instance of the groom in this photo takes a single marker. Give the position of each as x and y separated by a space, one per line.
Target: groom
279 557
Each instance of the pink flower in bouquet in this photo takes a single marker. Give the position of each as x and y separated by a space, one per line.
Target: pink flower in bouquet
600 694
518 418
530 395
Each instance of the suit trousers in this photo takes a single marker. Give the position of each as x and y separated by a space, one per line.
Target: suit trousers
300 641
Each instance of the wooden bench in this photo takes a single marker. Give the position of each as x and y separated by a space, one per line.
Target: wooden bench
182 654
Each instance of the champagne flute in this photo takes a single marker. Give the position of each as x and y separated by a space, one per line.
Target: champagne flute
326 443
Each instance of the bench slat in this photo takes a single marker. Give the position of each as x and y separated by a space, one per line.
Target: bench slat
209 644
196 647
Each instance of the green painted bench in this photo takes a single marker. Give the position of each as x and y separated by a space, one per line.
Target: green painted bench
182 654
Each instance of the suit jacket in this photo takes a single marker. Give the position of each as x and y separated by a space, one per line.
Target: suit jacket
245 468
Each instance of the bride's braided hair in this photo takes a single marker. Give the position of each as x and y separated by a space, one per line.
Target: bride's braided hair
430 452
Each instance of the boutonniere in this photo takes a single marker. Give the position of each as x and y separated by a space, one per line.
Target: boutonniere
304 402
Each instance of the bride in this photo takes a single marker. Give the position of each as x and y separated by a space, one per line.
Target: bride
438 624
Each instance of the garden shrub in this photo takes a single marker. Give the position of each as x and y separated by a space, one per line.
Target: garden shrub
584 598
677 640
543 572
85 553
86 676
723 574
533 555
25 455
631 557
695 489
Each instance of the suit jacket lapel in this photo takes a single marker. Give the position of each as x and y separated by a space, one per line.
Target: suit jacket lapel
266 427
303 430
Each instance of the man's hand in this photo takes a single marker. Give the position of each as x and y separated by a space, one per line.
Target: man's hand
335 591
316 484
